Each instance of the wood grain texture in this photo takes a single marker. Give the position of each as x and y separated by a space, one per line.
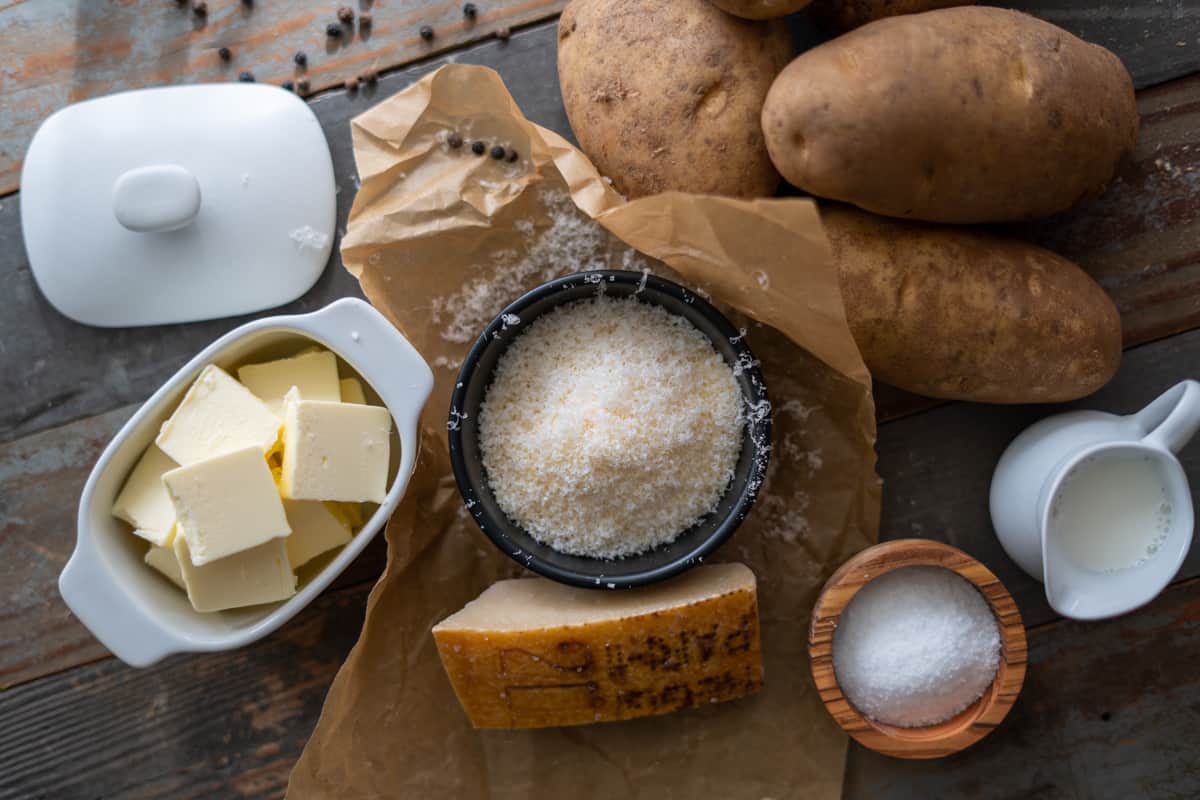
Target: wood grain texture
222 725
937 465
41 478
62 51
1109 710
972 723
56 370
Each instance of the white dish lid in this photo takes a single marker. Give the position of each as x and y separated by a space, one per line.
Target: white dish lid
178 204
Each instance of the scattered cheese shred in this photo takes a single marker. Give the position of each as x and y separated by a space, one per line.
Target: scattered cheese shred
611 427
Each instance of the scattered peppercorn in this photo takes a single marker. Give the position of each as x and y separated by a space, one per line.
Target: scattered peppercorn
426 33
333 30
301 58
470 10
346 14
247 3
370 76
199 8
498 152
351 84
478 148
291 87
365 19
246 77
302 85
511 155
225 53
454 139
503 33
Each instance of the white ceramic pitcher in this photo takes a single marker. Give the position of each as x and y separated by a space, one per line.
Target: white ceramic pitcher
1031 474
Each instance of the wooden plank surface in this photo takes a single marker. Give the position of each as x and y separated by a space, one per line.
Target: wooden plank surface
1109 710
62 51
41 477
220 725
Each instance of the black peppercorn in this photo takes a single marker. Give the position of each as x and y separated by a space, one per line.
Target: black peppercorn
351 84
302 85
503 33
454 139
246 77
301 58
225 53
370 76
333 30
346 14
511 155
426 33
365 19
470 10
497 152
199 8
291 87
478 148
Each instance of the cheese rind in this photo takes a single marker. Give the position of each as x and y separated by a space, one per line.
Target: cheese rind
315 529
352 391
259 575
335 451
530 653
313 373
227 504
217 415
144 502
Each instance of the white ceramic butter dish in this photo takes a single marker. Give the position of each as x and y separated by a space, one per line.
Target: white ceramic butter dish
132 609
178 204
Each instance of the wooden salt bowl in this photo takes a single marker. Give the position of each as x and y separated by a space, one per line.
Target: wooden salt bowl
965 728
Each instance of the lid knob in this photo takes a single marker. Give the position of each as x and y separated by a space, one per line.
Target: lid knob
161 197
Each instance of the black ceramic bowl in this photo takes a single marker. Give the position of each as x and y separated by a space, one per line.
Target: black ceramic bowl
690 547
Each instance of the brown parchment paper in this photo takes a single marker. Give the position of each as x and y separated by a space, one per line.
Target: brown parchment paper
441 240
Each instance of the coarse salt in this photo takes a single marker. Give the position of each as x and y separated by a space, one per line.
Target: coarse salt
916 646
611 426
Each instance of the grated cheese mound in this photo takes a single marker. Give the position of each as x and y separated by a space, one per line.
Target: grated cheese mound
611 427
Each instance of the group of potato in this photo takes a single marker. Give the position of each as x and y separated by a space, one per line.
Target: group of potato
930 121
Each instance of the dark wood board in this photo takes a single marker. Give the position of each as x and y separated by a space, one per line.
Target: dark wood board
220 725
1109 710
41 477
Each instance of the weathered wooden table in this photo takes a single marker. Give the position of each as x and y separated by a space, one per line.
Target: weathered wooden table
1109 709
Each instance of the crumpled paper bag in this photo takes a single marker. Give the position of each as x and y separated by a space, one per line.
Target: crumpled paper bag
441 239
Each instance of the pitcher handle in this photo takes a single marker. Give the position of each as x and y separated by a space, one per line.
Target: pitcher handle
1172 419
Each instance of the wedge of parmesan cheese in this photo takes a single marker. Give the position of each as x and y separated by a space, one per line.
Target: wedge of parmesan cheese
531 653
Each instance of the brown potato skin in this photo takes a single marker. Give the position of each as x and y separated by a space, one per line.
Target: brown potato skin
760 9
666 94
839 16
961 115
962 314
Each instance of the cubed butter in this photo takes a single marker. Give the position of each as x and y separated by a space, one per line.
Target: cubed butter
335 451
218 415
143 501
259 575
352 391
315 529
163 559
226 505
313 373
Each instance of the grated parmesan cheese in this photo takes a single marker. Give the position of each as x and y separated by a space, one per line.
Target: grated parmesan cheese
611 427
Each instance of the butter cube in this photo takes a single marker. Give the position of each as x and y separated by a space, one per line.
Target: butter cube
259 575
143 501
352 391
226 504
313 373
315 529
163 559
218 415
335 451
